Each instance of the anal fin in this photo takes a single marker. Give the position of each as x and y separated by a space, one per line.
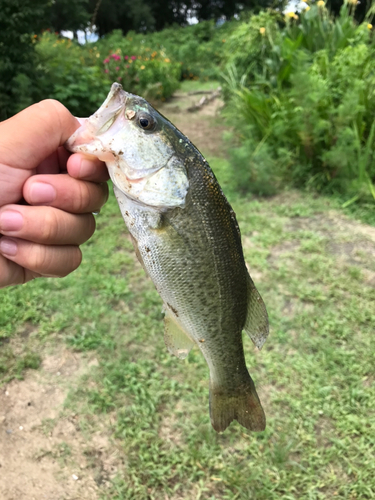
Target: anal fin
175 338
256 324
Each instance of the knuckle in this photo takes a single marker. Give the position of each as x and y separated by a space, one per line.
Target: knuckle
82 201
50 226
40 259
55 261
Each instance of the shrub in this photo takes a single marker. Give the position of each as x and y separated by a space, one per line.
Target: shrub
18 19
71 74
313 97
198 48
151 75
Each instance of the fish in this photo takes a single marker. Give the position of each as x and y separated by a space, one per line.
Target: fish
186 236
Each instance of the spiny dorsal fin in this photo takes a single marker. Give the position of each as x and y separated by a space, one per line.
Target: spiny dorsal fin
256 324
176 340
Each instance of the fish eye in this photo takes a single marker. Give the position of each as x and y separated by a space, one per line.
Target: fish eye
146 121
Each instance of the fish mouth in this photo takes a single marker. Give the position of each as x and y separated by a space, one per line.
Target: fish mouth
110 109
86 139
96 135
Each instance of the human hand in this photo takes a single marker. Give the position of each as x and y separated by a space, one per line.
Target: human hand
42 237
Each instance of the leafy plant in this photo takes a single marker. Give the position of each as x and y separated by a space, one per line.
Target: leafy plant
71 74
311 97
152 74
18 21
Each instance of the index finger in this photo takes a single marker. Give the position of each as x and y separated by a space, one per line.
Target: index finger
29 137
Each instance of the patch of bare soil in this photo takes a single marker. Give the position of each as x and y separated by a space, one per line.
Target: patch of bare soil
43 452
204 127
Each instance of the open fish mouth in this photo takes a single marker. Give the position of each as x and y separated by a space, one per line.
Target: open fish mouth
90 138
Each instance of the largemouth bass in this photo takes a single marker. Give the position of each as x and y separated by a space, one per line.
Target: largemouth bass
186 237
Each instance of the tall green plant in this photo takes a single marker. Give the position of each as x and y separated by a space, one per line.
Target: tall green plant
313 97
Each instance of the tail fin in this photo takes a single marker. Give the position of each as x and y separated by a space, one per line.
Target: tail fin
242 405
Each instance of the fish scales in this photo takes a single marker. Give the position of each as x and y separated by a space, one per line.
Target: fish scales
192 251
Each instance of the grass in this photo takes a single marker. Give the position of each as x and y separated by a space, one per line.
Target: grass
315 375
196 85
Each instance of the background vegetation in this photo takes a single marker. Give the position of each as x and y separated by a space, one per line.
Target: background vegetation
299 99
299 89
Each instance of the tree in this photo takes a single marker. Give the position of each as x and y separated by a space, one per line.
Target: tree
68 15
213 9
19 20
149 15
121 14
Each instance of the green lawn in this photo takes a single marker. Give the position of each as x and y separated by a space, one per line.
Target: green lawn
315 375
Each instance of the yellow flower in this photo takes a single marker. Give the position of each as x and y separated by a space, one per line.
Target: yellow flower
143 67
262 31
369 26
167 60
320 3
291 15
307 8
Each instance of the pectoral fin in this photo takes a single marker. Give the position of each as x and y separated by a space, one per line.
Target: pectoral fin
256 325
176 340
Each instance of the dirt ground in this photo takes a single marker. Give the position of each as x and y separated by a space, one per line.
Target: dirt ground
44 452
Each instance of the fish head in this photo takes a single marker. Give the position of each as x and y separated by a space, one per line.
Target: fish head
142 150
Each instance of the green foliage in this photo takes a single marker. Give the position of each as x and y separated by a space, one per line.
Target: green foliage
151 74
147 16
71 74
68 15
306 90
197 48
18 21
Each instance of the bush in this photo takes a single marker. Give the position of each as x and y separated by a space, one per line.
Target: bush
151 75
197 48
312 96
18 20
71 74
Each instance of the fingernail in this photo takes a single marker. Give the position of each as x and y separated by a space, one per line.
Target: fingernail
10 220
8 247
41 192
